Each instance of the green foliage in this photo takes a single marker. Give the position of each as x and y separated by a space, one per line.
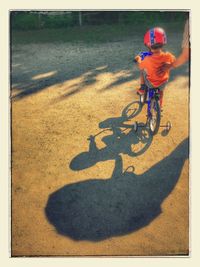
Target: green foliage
133 17
30 21
151 17
62 21
24 20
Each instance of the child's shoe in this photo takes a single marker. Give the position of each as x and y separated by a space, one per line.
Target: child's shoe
141 90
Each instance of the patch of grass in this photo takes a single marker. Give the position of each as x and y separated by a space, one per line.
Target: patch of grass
87 34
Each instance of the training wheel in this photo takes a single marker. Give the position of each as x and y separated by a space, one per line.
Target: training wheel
168 126
130 168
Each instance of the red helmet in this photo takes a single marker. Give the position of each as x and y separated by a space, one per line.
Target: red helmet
155 36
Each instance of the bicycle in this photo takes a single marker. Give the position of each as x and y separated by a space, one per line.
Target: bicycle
151 96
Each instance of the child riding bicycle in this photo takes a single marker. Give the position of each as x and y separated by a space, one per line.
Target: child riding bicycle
149 62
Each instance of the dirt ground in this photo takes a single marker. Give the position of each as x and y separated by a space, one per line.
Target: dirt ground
74 196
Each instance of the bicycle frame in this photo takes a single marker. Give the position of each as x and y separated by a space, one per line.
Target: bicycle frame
151 93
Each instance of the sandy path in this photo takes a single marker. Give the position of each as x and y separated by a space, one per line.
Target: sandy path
62 94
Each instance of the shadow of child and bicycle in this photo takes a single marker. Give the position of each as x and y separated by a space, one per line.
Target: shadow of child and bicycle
97 209
121 138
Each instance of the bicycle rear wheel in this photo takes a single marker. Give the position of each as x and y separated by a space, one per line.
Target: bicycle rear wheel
154 119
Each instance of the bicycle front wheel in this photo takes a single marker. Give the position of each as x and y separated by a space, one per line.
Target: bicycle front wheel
154 119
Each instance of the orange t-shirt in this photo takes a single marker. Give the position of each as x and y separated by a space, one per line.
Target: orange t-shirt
152 63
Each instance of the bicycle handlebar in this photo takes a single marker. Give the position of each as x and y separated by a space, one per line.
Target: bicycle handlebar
142 55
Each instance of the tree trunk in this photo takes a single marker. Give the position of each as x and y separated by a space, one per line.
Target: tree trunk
80 19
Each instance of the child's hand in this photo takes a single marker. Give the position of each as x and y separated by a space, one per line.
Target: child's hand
138 59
